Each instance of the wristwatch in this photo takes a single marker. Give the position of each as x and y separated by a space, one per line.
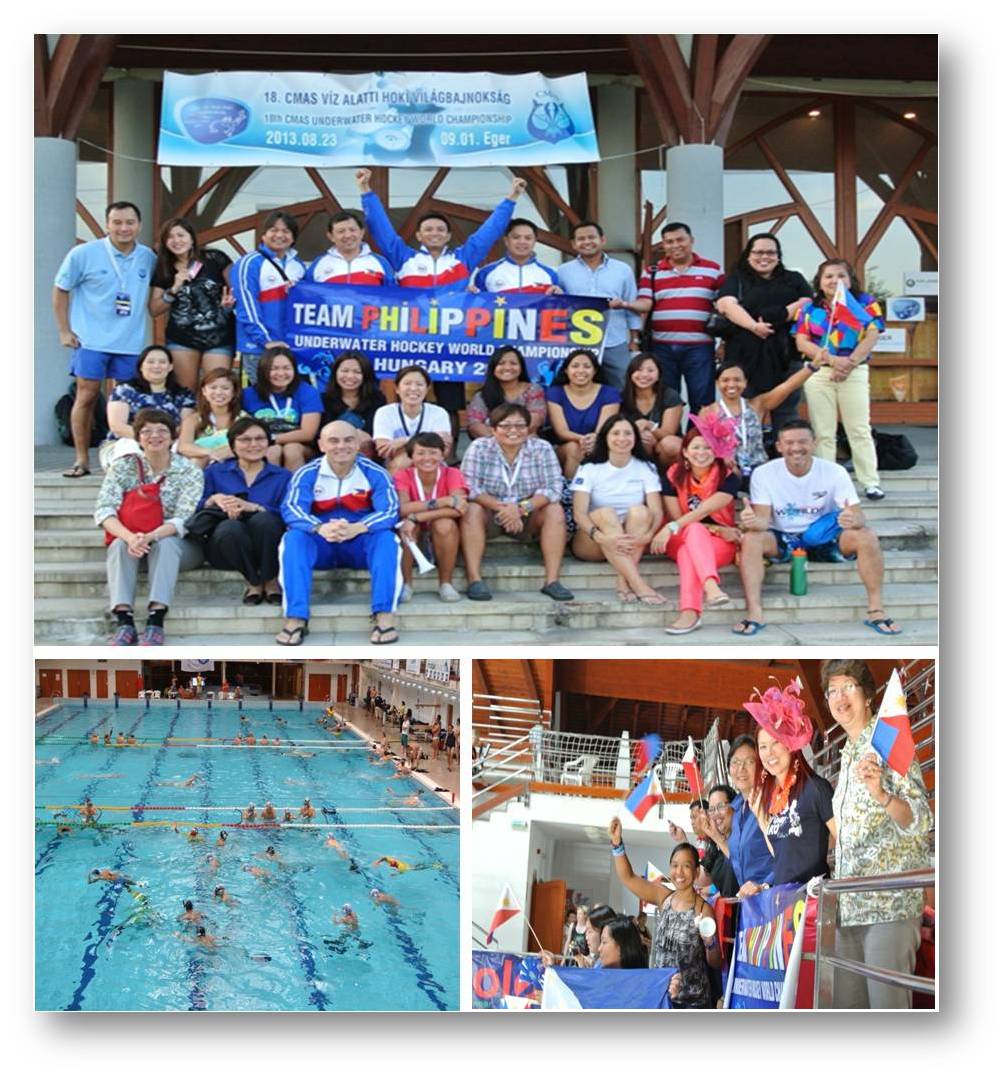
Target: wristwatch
810 365
525 506
431 503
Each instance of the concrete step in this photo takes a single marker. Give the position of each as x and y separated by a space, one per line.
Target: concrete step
73 619
80 579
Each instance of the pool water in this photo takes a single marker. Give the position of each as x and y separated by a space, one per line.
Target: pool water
105 946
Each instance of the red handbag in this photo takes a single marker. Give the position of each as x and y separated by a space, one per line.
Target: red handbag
141 510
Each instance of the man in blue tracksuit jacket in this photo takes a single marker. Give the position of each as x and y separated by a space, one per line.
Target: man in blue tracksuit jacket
341 510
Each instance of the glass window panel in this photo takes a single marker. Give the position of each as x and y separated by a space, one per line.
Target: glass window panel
92 191
898 252
755 110
800 250
869 207
746 191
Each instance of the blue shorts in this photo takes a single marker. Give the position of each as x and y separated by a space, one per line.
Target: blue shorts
85 363
825 551
222 350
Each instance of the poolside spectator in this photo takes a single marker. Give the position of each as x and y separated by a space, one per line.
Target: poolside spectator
749 414
153 386
621 945
575 936
594 272
641 922
394 425
340 511
578 404
762 300
506 382
679 291
289 405
102 316
803 501
349 259
883 825
515 489
435 264
840 391
192 287
518 270
131 540
793 804
745 846
655 409
677 943
352 394
453 745
433 500
718 830
701 534
264 278
203 436
617 507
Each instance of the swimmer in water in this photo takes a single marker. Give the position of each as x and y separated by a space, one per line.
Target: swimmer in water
191 915
222 894
237 740
93 738
63 829
287 816
392 862
381 897
307 811
300 754
88 812
333 843
414 801
186 784
107 738
193 835
221 841
131 741
248 814
258 873
348 918
271 854
212 862
268 812
106 875
249 739
201 938
120 741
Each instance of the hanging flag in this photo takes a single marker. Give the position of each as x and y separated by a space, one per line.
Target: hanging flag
645 796
647 752
507 908
892 738
692 768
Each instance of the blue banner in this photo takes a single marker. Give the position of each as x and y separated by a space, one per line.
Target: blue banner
768 923
497 976
401 118
451 334
607 989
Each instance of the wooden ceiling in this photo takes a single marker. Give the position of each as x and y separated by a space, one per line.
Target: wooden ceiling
877 56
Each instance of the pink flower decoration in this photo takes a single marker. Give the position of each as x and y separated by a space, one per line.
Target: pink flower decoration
719 431
782 713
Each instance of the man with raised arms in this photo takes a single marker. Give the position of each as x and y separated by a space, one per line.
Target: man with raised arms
341 510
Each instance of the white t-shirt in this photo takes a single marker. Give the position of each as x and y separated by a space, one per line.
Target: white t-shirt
798 501
390 422
617 488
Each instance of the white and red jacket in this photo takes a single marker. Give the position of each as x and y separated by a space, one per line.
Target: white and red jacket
505 275
366 268
259 292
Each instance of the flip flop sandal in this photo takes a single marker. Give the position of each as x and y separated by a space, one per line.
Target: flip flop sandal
721 602
627 596
252 598
741 629
652 600
273 598
379 635
884 626
78 471
294 636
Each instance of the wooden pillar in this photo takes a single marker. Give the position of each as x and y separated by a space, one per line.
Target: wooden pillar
845 231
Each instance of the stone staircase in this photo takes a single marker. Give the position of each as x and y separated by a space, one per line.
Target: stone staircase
71 593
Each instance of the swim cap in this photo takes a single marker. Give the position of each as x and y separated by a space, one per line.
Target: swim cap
219 890
346 908
374 892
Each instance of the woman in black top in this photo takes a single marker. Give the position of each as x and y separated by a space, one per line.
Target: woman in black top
353 395
762 299
192 287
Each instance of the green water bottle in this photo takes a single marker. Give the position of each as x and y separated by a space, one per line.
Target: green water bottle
799 581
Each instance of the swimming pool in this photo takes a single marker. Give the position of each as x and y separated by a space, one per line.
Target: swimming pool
99 946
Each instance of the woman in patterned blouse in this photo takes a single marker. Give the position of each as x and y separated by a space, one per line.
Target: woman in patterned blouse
165 547
883 822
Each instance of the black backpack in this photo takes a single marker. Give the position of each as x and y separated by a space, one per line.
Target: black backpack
895 452
64 405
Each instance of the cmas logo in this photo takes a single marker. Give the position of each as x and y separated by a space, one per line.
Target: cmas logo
548 119
214 119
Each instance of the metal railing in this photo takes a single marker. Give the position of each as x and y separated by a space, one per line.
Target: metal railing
827 961
509 767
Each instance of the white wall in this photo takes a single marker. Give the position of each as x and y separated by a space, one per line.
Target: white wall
499 855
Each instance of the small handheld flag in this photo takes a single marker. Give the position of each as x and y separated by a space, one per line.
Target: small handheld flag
653 874
647 794
692 768
648 751
892 738
507 908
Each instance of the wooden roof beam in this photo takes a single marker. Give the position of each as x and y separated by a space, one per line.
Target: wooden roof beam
733 69
888 211
646 68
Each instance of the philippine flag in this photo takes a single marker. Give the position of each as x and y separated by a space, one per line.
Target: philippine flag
648 751
692 768
606 989
507 908
645 795
892 738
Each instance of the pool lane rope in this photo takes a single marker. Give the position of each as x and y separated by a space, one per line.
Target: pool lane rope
148 823
237 807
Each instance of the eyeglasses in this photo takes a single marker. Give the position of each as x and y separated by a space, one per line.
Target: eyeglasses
512 427
249 440
764 254
741 764
719 809
840 690
155 431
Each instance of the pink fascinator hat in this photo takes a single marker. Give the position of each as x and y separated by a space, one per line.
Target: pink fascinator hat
719 431
782 713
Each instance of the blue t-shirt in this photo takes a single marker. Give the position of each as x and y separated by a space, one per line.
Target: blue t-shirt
582 421
171 401
748 853
799 833
94 274
283 407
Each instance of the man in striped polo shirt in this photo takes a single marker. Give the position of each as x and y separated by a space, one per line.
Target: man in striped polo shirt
679 291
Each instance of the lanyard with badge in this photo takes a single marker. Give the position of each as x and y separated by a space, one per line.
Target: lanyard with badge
123 301
509 476
408 433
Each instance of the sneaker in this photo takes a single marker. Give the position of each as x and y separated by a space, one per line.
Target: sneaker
558 591
875 493
153 636
478 591
448 593
406 593
125 636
